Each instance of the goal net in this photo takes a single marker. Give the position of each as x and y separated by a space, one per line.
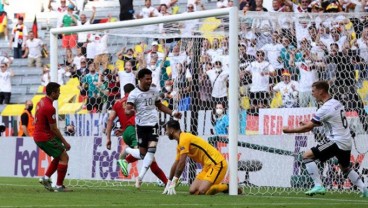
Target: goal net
191 66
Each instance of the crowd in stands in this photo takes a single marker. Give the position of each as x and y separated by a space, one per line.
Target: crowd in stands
284 54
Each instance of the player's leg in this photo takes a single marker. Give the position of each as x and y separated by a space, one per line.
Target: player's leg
129 137
158 172
214 177
45 180
344 161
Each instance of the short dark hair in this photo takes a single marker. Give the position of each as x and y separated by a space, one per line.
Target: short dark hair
173 124
144 72
321 85
128 88
52 87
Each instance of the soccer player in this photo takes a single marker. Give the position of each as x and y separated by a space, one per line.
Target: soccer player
144 100
213 163
48 138
127 125
332 116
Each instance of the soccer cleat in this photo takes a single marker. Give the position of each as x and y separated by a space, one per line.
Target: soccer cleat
138 183
124 167
316 190
62 189
46 183
365 194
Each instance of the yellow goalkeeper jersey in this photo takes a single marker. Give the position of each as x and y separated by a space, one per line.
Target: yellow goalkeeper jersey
198 149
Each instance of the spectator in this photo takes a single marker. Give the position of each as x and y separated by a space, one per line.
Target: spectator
18 37
128 56
126 10
190 25
148 11
33 47
80 4
176 57
3 19
90 84
101 51
154 50
69 19
170 5
2 4
245 61
196 5
112 90
222 120
158 68
183 83
83 36
45 77
219 81
205 87
258 6
302 8
62 8
26 123
164 27
69 57
5 80
168 94
127 76
289 91
78 58
261 71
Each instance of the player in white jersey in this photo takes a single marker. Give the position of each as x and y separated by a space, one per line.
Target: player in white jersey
332 116
145 100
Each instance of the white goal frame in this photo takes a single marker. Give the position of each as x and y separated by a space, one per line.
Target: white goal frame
234 67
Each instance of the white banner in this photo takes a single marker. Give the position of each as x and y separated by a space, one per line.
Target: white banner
89 158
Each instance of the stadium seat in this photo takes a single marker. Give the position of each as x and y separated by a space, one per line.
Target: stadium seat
70 108
13 110
244 102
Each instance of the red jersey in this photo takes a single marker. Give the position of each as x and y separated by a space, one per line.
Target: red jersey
45 115
119 108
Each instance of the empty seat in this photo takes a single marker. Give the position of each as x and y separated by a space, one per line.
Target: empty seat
31 80
19 89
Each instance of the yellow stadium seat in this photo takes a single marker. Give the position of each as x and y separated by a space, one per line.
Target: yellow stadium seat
70 108
40 89
244 102
276 101
13 110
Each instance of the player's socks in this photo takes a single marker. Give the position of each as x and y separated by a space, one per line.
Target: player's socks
130 159
314 173
52 167
214 189
61 171
158 172
134 152
147 161
356 180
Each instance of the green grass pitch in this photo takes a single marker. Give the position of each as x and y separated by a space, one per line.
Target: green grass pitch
27 192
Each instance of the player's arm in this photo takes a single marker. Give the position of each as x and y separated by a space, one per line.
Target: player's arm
24 119
110 122
167 110
173 169
180 166
304 127
58 134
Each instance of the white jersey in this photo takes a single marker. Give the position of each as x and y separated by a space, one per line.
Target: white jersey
332 116
144 102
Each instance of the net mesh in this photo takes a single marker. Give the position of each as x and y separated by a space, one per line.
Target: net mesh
280 56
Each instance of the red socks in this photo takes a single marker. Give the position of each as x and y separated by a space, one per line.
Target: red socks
61 171
52 167
130 159
158 172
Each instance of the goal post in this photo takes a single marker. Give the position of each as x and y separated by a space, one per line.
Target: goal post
233 66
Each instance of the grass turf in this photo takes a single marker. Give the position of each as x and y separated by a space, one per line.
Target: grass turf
27 192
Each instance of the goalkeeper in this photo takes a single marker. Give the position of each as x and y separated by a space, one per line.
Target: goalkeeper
127 125
208 181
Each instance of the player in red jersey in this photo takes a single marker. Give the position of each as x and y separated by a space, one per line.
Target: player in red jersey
127 123
48 138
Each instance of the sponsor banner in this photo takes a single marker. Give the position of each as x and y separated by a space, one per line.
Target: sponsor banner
279 158
271 121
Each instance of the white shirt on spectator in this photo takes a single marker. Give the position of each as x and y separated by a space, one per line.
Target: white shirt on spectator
34 47
340 42
189 26
77 61
83 36
259 82
307 76
17 33
91 49
273 52
289 96
100 44
156 74
159 54
222 4
5 80
175 60
61 73
219 82
145 13
126 78
363 48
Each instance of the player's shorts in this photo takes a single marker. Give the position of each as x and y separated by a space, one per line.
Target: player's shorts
330 149
130 137
146 134
214 173
53 147
69 41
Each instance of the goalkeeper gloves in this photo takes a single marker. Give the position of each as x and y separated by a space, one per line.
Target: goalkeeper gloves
170 187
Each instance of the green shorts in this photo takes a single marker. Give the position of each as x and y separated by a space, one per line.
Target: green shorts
53 147
130 137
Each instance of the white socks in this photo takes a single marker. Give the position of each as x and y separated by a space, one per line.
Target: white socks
147 161
355 179
134 152
314 173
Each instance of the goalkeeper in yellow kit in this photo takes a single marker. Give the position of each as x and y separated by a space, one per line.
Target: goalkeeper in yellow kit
208 181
